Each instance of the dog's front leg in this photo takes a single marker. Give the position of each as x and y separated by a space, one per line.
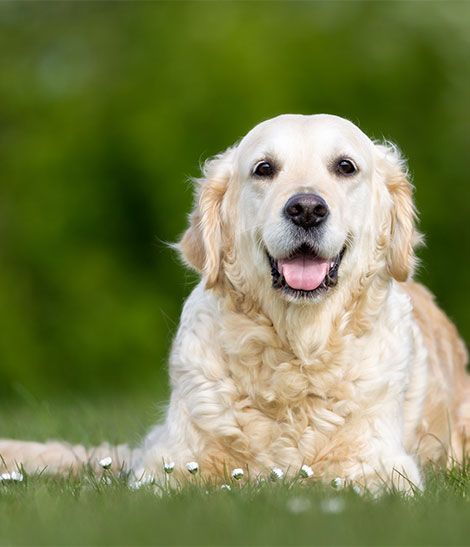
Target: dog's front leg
200 424
384 464
166 452
388 472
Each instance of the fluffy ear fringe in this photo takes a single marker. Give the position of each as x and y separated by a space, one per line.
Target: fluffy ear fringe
404 237
201 245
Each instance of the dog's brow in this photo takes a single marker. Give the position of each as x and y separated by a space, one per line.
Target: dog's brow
266 156
345 153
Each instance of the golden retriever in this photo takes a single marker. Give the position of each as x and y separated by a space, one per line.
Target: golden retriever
306 341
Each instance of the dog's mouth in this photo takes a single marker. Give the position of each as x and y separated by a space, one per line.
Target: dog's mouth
305 274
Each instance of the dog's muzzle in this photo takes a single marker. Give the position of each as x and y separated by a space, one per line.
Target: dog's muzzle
304 274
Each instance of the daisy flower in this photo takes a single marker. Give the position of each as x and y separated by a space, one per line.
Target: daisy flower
169 467
106 463
14 476
237 473
192 467
277 473
337 483
306 472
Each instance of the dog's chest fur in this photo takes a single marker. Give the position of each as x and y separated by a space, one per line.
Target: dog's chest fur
263 405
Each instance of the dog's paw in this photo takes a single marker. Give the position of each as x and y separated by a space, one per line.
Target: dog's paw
399 474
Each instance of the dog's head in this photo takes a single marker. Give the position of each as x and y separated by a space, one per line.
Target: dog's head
302 205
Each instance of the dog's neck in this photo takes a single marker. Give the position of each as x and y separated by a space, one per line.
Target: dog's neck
314 332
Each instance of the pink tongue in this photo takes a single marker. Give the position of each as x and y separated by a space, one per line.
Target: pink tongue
303 272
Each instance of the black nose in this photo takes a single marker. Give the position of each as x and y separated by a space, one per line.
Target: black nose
306 210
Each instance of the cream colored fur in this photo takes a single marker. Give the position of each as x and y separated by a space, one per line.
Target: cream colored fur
366 382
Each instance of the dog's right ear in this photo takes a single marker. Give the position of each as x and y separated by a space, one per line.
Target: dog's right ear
201 246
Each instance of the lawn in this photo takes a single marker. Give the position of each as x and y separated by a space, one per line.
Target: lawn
87 510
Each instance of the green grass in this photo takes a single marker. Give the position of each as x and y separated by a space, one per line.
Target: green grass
87 510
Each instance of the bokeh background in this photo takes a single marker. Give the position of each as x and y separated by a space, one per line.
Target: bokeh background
107 109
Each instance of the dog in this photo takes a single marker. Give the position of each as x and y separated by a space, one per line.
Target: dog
306 341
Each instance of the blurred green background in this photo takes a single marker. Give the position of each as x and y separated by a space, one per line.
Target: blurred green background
107 108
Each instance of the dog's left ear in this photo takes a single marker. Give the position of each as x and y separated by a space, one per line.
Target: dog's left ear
404 237
202 244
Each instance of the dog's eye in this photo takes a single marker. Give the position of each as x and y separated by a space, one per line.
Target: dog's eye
345 167
264 169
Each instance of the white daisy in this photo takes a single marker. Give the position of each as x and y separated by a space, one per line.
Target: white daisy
14 476
237 473
169 467
106 463
277 473
192 467
306 471
337 483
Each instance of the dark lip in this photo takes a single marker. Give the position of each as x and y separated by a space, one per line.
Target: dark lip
330 281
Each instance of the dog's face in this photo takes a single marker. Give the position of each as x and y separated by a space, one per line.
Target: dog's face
305 192
301 205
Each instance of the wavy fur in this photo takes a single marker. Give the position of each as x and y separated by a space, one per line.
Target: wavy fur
367 382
